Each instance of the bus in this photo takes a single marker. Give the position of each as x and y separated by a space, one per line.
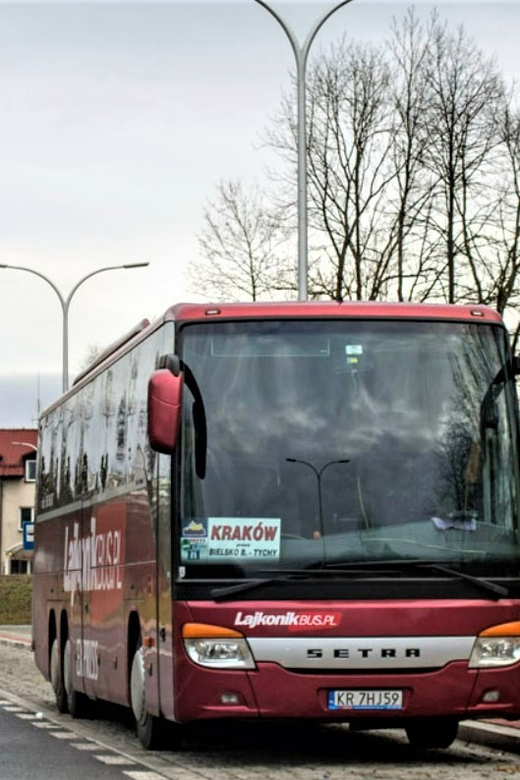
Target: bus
270 511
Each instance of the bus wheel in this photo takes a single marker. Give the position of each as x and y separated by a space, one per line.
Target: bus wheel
56 674
150 729
432 733
78 703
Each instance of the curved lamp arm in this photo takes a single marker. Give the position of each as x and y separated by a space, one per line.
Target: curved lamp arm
65 303
301 55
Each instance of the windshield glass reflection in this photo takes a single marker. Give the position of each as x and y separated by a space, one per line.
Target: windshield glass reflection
343 440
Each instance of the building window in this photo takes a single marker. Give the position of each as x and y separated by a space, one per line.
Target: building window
26 516
30 470
19 567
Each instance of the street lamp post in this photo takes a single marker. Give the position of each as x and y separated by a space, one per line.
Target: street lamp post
65 303
319 474
301 54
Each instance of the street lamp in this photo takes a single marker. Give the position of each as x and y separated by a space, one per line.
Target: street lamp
25 444
65 303
32 461
301 54
319 474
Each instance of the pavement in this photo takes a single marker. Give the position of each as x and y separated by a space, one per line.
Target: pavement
20 636
497 734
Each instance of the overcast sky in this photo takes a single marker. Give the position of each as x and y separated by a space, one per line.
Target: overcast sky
117 122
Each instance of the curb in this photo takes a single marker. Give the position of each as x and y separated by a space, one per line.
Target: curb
492 735
16 641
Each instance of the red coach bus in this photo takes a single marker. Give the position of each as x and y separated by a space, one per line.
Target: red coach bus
278 511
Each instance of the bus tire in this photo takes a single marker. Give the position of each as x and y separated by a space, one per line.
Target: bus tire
56 675
78 703
151 729
432 733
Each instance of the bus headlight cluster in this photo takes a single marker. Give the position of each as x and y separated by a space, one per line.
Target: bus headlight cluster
216 647
496 646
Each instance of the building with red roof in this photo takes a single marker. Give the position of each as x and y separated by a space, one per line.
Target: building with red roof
18 450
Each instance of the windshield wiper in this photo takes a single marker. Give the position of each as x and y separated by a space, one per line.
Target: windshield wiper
484 584
358 569
241 587
283 576
365 566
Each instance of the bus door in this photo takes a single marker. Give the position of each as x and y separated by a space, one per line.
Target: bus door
86 645
164 585
77 597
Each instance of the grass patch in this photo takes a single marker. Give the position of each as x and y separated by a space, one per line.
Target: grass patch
15 599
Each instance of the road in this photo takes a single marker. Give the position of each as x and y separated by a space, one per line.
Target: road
108 748
29 747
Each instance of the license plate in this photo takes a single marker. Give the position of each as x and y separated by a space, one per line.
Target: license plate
370 699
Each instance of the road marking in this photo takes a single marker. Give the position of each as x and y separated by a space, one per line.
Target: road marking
56 730
115 760
63 734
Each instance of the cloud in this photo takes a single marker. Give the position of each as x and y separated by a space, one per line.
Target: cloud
23 395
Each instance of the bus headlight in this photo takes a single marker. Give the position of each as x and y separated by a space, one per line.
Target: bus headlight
496 646
216 647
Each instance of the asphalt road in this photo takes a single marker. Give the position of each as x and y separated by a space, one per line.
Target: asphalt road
31 746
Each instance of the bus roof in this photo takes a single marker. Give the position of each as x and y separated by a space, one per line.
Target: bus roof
204 312
422 311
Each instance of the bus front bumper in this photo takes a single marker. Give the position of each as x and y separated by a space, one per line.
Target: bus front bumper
272 692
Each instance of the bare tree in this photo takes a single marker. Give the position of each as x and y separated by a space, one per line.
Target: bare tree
464 92
413 166
349 145
242 248
347 165
90 356
369 190
502 262
416 266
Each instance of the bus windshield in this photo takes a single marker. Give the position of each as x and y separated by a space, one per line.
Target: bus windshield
311 443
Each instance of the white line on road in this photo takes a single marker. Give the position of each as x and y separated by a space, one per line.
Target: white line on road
144 775
63 734
114 760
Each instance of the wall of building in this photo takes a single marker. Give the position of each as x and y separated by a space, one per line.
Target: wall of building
16 493
17 447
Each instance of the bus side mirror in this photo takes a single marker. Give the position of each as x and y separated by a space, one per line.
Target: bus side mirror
516 365
164 409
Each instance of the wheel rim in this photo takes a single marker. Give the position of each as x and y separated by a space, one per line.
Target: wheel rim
137 693
67 668
55 667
